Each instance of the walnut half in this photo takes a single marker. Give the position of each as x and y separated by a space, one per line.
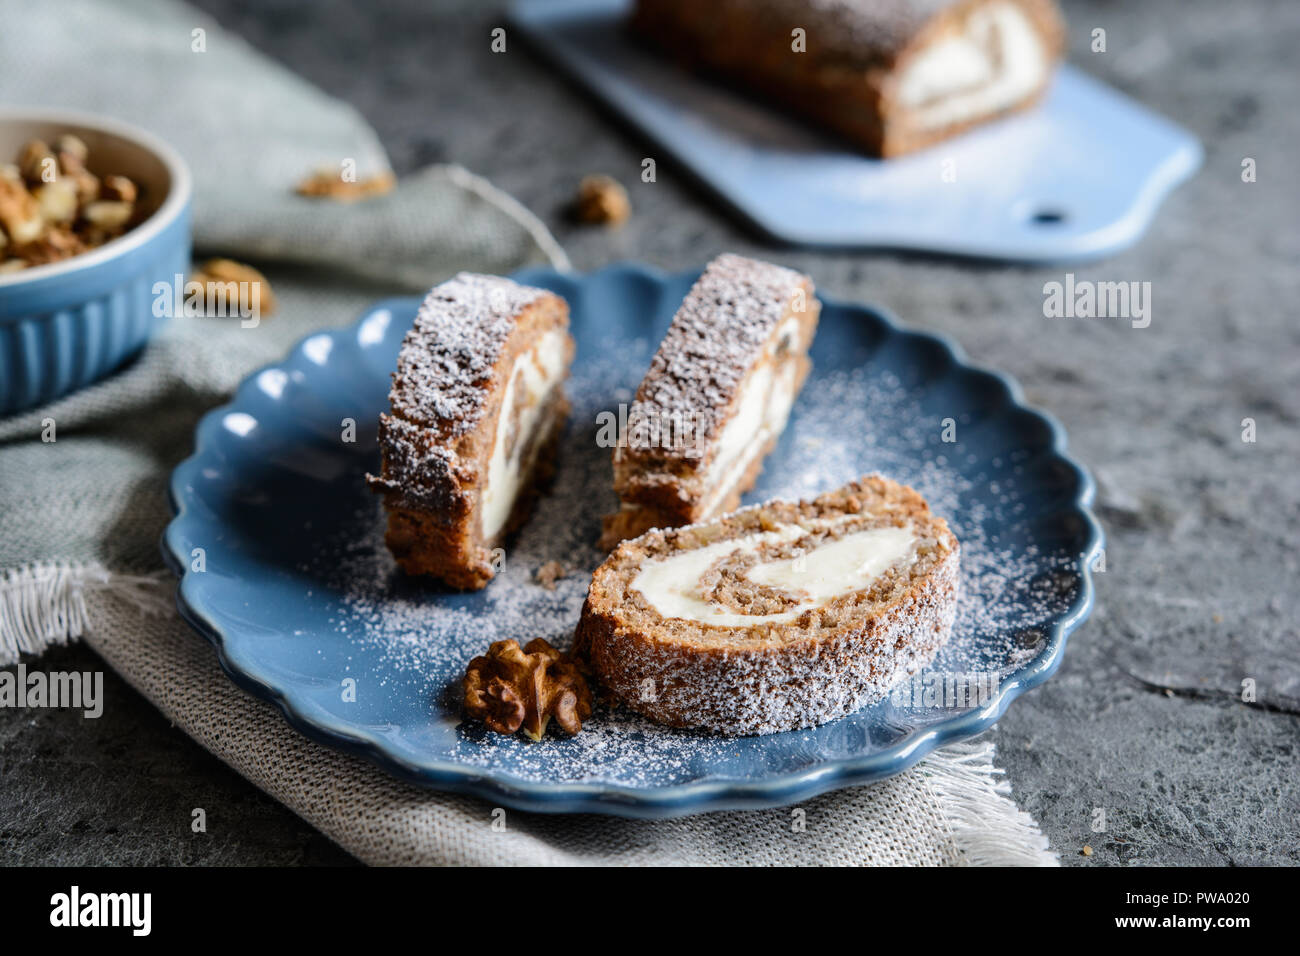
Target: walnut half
509 689
330 184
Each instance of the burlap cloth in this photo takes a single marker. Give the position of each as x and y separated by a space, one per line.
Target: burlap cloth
80 518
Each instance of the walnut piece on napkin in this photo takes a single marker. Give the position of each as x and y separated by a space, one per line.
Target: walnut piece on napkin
332 184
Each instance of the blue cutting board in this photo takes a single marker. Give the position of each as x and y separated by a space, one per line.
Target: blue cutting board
1079 177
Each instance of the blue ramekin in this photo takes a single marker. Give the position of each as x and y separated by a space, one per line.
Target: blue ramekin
67 324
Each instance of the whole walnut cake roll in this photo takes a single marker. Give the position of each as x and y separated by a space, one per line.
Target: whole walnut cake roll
890 76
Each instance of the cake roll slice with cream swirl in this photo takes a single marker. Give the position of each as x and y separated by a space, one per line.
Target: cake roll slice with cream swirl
476 409
774 617
716 398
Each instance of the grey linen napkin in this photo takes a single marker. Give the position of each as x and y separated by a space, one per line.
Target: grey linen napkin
80 517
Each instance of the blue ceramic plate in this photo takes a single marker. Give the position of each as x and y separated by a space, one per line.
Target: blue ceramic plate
282 564
1078 177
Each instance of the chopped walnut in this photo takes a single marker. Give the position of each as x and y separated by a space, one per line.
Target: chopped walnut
549 573
57 201
20 213
73 146
107 214
37 162
55 244
239 281
330 184
602 200
72 166
118 188
509 689
52 207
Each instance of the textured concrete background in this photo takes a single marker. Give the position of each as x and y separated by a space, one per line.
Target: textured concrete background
1144 718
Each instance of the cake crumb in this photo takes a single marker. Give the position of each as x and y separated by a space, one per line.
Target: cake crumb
549 573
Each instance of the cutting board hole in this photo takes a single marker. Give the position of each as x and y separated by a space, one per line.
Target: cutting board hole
1048 216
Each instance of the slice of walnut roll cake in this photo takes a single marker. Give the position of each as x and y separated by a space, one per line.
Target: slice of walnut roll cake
716 397
775 617
477 408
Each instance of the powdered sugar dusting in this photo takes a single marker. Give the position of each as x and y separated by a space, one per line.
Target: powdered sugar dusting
846 423
449 354
852 33
713 340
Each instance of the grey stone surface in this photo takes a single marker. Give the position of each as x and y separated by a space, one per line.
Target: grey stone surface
1200 588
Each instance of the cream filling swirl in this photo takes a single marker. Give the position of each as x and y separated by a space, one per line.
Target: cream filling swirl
762 411
536 372
994 63
834 568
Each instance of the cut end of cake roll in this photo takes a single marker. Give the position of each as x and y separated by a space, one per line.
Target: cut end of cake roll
776 617
477 408
891 76
716 398
974 61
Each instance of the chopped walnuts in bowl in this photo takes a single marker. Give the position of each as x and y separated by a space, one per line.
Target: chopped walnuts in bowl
94 219
52 207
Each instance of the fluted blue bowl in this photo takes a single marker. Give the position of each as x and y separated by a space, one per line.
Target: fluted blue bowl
70 323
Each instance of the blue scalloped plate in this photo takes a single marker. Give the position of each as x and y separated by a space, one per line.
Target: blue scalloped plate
279 549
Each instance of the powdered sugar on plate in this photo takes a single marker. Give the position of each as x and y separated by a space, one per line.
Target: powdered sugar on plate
848 421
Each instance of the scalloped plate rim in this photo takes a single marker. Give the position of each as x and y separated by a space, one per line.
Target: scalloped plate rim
611 799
